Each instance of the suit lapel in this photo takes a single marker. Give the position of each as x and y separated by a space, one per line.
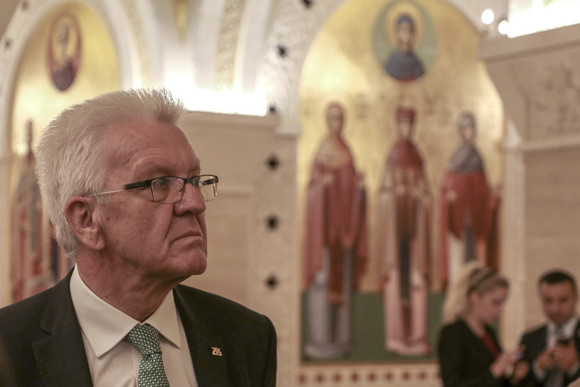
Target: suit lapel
543 337
61 355
576 336
538 342
205 344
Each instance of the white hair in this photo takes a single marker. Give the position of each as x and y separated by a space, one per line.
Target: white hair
71 156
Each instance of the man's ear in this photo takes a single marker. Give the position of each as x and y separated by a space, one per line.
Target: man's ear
80 215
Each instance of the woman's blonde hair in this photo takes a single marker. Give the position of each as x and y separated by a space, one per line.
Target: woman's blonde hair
473 278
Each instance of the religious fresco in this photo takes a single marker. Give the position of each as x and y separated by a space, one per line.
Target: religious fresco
68 57
336 241
64 51
469 207
35 265
403 231
406 137
404 40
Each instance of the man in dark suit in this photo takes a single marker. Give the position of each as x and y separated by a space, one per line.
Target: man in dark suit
124 189
551 351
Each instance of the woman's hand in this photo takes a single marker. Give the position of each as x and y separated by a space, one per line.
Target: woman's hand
521 369
504 364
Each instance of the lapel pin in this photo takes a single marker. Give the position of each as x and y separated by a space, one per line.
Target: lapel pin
216 351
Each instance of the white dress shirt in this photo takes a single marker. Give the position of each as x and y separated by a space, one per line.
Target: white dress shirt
115 362
566 331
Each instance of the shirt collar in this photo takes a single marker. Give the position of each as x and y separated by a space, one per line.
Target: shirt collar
112 325
567 328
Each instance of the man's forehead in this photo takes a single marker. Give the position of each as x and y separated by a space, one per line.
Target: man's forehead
557 289
150 147
158 159
142 132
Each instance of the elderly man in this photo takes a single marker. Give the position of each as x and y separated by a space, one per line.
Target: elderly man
124 189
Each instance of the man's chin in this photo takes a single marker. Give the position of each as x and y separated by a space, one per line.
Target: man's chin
199 270
198 266
186 266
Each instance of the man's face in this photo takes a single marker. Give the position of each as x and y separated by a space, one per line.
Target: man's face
160 242
558 301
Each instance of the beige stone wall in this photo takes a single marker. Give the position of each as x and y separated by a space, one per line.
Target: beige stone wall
535 76
553 218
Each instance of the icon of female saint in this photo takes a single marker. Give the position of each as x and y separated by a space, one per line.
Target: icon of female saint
336 242
469 207
403 227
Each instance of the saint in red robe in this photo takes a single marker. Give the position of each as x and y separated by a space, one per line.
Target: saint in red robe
30 269
404 206
336 247
469 209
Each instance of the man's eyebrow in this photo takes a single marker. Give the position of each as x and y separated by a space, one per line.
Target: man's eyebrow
151 173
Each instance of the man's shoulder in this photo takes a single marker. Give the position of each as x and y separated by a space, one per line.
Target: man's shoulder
31 308
214 304
535 332
26 306
23 317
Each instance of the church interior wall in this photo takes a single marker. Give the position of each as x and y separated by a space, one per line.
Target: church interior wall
255 225
552 217
534 76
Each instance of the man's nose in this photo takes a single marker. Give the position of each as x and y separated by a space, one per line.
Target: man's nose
192 200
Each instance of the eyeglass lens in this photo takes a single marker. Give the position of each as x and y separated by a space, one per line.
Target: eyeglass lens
170 189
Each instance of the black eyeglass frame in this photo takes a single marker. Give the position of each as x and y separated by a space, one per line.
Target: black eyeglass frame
194 181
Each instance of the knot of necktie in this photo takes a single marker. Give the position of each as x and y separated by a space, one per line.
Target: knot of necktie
145 338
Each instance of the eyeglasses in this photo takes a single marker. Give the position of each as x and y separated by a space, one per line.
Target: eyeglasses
169 189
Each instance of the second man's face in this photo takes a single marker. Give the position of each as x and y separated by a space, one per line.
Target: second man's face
558 301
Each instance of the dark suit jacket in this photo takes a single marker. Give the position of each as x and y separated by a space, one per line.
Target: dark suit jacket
535 343
464 358
42 338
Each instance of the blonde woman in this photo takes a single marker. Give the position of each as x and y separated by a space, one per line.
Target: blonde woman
469 351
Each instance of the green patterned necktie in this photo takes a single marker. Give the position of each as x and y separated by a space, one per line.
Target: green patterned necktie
151 372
